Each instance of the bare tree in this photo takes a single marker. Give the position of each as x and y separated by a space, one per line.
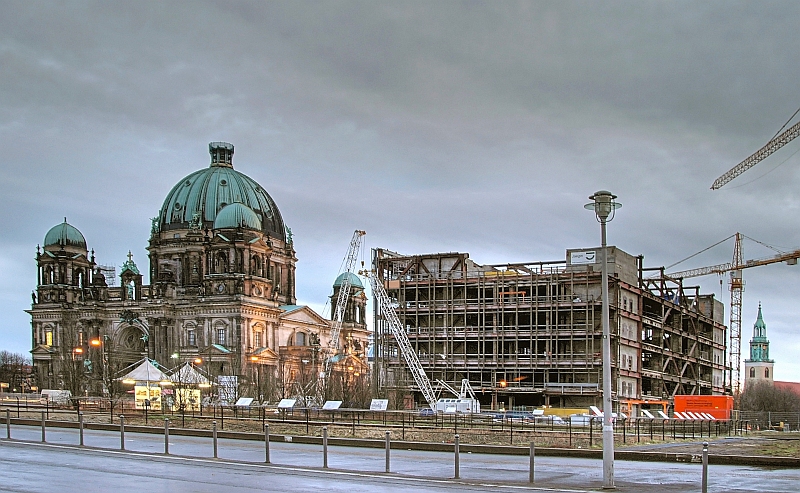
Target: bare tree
764 396
14 370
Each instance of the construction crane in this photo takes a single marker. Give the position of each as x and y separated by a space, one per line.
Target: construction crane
737 288
769 148
384 304
341 300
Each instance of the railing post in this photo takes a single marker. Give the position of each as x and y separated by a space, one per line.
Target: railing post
705 467
80 428
214 436
43 426
532 456
456 463
166 436
8 424
121 432
266 443
324 446
388 448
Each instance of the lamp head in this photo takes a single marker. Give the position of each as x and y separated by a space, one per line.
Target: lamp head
603 205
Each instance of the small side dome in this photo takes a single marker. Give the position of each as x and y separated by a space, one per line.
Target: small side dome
237 216
355 282
64 234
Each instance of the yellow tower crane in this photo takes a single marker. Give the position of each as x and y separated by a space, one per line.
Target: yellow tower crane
735 268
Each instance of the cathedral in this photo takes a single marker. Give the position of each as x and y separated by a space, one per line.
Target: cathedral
222 273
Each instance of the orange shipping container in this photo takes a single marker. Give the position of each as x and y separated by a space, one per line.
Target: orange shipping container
719 406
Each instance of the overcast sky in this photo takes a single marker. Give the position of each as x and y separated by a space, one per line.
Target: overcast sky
435 126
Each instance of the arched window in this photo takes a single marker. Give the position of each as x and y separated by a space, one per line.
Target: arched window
221 336
752 373
222 263
191 337
766 372
256 268
300 339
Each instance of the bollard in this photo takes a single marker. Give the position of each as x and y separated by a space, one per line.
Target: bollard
121 432
80 428
266 443
43 426
325 447
166 436
388 448
8 424
214 436
456 463
532 456
705 467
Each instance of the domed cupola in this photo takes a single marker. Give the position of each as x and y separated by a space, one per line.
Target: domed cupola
355 282
64 235
198 199
237 215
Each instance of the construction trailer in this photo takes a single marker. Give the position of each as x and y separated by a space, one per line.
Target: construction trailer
530 334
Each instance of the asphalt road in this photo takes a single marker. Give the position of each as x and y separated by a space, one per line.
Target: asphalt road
27 465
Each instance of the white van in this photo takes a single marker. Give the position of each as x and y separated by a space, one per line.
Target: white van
57 397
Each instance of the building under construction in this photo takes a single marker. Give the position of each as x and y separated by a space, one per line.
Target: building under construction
530 334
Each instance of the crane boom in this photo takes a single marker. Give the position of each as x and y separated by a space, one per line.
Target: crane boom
730 266
384 304
769 148
344 293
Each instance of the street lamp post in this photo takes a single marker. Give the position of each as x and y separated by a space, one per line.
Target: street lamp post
603 207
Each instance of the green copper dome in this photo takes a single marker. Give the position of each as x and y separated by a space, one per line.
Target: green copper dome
64 234
208 191
355 282
237 216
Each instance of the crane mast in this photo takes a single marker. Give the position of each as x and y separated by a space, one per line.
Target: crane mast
384 304
341 300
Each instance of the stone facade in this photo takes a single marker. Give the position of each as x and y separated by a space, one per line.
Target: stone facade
221 294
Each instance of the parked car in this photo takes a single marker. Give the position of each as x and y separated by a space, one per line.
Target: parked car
580 419
513 416
426 412
550 419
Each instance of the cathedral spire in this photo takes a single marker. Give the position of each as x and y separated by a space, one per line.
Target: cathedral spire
759 344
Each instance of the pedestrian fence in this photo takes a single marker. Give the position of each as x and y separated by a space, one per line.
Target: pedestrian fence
456 446
577 432
771 420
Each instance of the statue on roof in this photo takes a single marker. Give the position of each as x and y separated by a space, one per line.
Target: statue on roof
289 235
153 225
195 223
130 265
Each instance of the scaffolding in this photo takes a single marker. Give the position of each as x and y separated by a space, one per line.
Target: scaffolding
530 334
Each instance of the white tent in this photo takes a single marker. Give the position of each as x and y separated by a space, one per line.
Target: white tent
146 371
189 375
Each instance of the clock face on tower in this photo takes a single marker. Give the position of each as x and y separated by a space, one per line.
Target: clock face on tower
257 291
220 288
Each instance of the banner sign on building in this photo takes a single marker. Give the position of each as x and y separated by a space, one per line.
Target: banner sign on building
585 257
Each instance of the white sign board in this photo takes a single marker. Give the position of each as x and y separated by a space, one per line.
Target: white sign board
589 257
244 401
228 384
331 405
286 403
379 405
